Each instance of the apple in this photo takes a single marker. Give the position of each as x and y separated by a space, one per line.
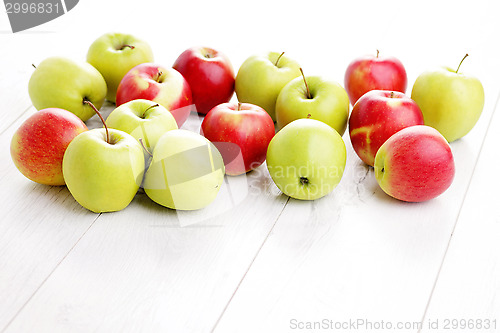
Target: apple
376 116
210 76
59 82
142 119
114 54
315 98
451 102
103 169
38 145
306 159
156 83
186 171
261 77
374 73
241 132
415 164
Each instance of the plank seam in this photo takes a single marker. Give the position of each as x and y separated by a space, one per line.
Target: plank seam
248 268
458 215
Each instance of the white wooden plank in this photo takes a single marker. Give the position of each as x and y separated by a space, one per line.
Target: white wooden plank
39 226
467 292
356 254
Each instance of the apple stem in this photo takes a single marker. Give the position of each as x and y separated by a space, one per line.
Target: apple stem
305 82
160 73
144 147
277 60
86 101
309 116
460 64
392 94
33 65
239 106
126 45
150 107
378 53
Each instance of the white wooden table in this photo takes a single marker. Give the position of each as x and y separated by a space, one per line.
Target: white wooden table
255 260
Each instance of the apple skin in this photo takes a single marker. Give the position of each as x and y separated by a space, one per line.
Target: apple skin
114 54
38 145
259 81
376 116
186 171
59 82
415 164
102 176
163 85
374 73
329 103
306 159
241 132
210 76
450 102
143 119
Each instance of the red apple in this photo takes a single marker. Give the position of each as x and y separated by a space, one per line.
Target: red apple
415 164
241 132
163 85
376 116
209 74
374 73
37 147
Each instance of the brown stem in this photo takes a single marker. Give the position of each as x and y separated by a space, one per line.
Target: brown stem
460 64
377 53
150 107
305 82
86 101
126 45
392 94
144 147
239 106
33 65
277 60
160 73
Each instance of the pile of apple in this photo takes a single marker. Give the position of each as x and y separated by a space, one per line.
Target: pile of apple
405 139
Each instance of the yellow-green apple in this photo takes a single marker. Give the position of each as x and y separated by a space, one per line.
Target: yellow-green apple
210 76
261 77
38 145
374 73
163 85
451 102
241 132
306 159
114 54
415 164
59 82
314 98
186 171
103 169
143 119
376 116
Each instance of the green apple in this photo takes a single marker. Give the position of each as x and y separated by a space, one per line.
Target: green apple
142 119
306 159
261 78
186 171
59 82
315 98
102 175
450 101
114 54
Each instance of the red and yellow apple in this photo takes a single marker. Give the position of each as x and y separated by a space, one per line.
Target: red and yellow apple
374 73
415 164
209 74
241 132
38 146
163 85
376 116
